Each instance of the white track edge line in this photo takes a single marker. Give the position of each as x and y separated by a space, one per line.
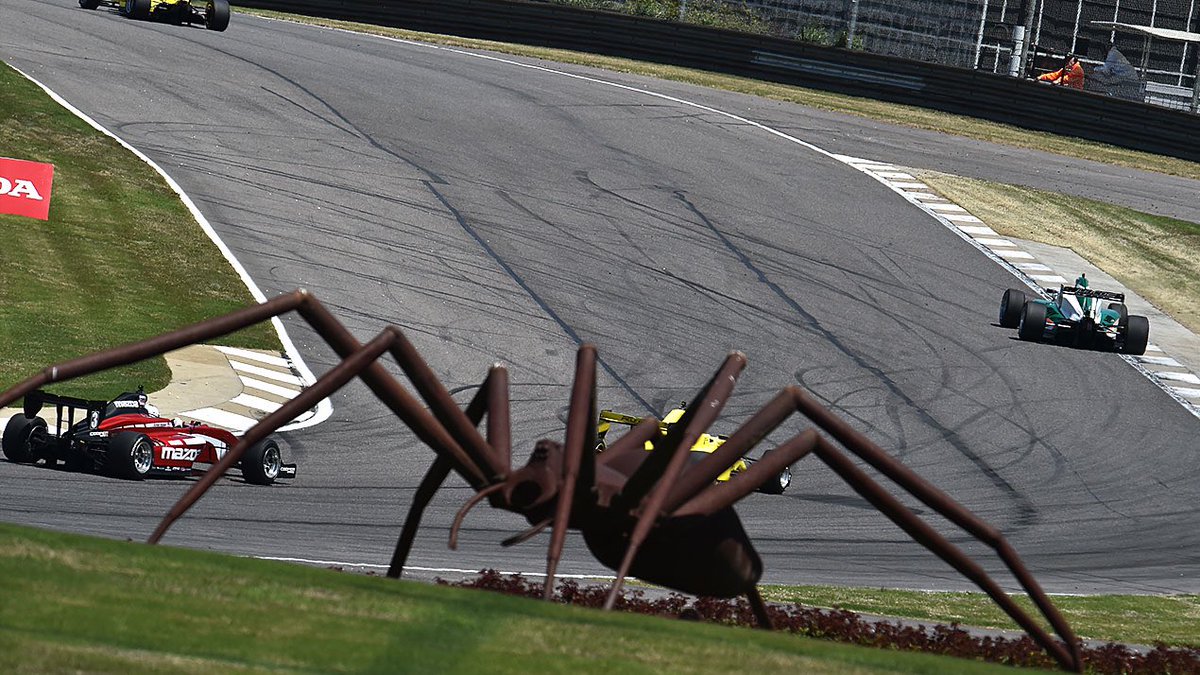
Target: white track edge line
324 409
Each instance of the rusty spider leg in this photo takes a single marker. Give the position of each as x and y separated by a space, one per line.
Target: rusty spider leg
447 412
578 442
945 505
792 400
330 382
493 394
924 534
698 417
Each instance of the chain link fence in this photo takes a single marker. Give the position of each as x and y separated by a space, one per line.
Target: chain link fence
978 34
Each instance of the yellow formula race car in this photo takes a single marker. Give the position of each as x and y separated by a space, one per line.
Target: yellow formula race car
704 445
213 14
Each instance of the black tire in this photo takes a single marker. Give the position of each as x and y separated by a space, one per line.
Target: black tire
262 462
137 9
1010 307
130 455
89 4
1136 335
1120 309
21 437
778 483
1033 322
216 15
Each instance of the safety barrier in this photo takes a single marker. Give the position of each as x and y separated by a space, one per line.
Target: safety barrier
1025 104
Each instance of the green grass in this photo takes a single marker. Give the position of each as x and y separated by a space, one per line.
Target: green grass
81 604
119 260
1136 619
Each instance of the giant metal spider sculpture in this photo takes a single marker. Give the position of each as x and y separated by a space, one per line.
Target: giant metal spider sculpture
652 515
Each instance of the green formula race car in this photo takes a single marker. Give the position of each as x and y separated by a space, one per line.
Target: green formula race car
213 14
704 445
1074 317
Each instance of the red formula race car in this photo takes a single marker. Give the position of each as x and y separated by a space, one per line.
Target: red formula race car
126 437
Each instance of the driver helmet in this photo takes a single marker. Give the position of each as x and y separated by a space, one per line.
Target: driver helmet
1082 281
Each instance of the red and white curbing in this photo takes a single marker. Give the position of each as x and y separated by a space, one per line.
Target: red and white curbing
1168 373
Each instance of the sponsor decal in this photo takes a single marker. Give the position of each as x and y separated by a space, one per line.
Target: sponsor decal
180 454
25 188
126 404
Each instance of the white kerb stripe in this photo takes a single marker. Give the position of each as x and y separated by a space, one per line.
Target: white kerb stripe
894 175
1049 278
1013 254
1179 377
256 403
1034 266
955 208
1165 361
910 186
256 356
1186 391
221 418
982 230
267 373
995 242
961 218
923 196
268 387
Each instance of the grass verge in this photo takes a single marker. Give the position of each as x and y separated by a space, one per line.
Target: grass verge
120 259
1135 619
81 604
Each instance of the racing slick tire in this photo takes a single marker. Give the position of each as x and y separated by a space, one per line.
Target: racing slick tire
89 4
20 438
137 9
1033 322
1119 308
778 484
1136 330
1010 307
216 15
130 455
262 462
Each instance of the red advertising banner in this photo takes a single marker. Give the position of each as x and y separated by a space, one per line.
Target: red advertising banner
25 188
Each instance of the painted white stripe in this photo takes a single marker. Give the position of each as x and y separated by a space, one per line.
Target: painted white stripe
1034 266
1186 391
894 175
978 230
337 563
995 242
256 356
267 373
1153 348
1177 377
222 418
1013 254
960 218
874 166
256 402
923 196
1164 361
910 186
324 408
1049 278
268 387
950 208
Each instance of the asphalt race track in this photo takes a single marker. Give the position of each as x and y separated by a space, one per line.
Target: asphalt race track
505 213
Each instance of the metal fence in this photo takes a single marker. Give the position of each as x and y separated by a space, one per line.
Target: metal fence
977 34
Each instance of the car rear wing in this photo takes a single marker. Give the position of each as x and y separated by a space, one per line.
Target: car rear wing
1081 292
628 420
36 399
